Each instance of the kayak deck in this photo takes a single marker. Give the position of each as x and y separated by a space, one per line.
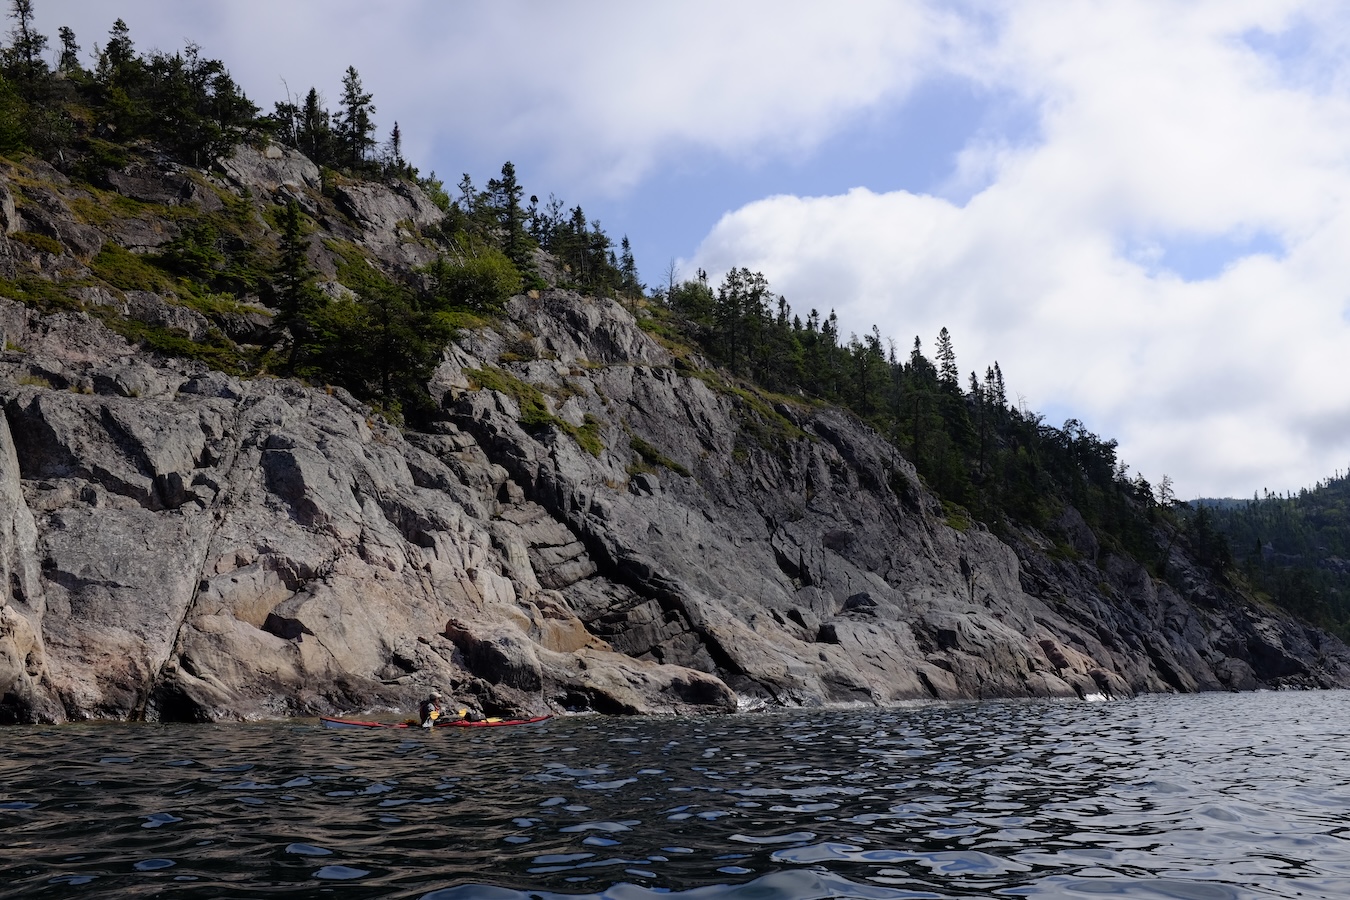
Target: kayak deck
331 722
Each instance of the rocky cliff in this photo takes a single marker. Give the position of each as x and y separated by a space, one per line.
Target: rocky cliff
596 521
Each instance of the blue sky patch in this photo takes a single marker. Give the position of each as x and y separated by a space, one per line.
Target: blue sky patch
912 145
1295 53
1201 257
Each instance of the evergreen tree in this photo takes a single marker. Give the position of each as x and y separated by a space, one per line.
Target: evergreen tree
481 279
508 217
830 381
694 301
600 264
355 129
69 63
948 374
435 189
13 115
23 58
314 134
469 200
394 163
285 119
117 63
740 314
547 225
293 283
628 273
923 380
1166 497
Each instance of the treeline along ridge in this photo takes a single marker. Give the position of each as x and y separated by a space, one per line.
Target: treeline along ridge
991 461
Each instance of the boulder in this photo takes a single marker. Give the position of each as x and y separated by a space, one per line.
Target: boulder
266 170
152 309
166 184
382 209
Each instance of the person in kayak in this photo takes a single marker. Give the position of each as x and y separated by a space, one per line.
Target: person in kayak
430 711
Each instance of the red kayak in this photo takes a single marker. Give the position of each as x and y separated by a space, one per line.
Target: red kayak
329 722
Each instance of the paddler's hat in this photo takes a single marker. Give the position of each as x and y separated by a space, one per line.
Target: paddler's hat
435 695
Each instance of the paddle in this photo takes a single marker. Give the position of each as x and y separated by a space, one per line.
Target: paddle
436 714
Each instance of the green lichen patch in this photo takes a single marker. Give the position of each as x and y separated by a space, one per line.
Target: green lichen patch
650 458
534 411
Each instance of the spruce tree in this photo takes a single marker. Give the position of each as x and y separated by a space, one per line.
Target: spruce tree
628 268
504 196
13 113
923 378
286 116
293 282
117 62
948 374
394 163
314 135
24 56
355 125
69 62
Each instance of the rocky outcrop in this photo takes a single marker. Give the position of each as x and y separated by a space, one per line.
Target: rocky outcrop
9 216
205 547
271 168
180 544
215 548
793 553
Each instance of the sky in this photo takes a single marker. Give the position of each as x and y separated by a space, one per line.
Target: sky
1138 208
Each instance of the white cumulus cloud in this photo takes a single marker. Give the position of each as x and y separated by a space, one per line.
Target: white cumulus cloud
1158 123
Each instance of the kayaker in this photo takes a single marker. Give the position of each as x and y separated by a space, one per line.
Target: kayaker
430 710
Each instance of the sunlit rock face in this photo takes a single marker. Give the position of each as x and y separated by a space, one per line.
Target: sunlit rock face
591 521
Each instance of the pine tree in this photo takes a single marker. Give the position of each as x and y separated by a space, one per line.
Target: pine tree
294 282
504 196
24 56
314 134
69 62
355 126
948 374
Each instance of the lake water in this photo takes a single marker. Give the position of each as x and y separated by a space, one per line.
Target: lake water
1196 797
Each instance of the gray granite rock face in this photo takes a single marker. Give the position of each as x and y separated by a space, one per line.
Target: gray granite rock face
794 554
204 547
269 169
216 548
180 544
9 216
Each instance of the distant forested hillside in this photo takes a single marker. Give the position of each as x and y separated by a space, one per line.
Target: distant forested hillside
1295 548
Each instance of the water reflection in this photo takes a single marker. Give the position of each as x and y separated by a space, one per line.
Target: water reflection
1192 797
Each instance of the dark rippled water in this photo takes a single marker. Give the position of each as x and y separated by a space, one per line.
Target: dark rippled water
1200 797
